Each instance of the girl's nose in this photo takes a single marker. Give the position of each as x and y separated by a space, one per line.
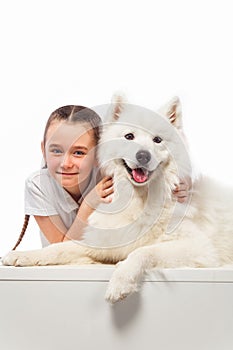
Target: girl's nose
66 161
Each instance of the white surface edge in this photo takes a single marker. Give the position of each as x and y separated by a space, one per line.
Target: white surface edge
103 273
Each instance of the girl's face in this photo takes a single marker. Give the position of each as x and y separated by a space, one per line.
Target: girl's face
69 153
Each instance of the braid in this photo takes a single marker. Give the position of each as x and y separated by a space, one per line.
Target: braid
25 224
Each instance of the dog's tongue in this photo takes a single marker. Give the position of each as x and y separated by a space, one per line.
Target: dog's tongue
139 175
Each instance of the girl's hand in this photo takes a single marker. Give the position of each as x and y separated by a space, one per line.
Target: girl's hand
182 190
101 193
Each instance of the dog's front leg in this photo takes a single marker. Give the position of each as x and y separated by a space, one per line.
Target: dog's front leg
55 254
125 279
190 252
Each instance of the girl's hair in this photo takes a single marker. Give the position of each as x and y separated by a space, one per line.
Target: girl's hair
25 224
72 114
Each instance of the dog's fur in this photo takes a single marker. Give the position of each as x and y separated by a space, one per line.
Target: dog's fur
144 227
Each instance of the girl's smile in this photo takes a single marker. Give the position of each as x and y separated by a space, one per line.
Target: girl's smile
66 174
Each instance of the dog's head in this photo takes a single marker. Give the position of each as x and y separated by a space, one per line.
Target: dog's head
137 142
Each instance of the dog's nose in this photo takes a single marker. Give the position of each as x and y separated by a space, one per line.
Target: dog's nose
143 157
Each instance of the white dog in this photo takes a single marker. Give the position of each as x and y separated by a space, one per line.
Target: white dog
144 227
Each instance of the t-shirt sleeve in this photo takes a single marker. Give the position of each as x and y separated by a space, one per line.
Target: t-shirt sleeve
38 200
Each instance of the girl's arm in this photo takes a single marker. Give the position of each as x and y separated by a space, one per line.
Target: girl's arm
100 194
53 227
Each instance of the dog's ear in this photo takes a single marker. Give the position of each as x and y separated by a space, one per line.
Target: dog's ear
118 102
172 110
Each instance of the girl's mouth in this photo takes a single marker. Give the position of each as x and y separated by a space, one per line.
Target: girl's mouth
66 174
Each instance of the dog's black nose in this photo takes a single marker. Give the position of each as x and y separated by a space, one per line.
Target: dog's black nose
143 157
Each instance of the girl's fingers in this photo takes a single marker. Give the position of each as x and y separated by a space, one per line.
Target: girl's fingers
107 199
107 184
181 194
107 192
181 187
106 178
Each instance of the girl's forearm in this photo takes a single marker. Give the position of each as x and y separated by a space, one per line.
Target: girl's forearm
100 193
76 230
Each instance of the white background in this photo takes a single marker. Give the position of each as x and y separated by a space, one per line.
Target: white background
80 52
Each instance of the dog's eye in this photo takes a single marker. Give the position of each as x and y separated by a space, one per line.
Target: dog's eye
157 139
129 136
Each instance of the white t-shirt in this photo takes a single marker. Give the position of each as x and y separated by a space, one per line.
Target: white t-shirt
45 197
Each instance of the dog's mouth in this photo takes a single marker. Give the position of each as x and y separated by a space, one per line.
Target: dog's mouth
138 175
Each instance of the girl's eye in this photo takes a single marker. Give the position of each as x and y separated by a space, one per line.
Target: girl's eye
56 151
79 153
157 139
129 136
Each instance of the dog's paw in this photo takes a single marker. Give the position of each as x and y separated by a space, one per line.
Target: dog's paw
117 292
120 286
14 258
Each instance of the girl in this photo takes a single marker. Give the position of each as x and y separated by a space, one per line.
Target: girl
54 195
62 195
